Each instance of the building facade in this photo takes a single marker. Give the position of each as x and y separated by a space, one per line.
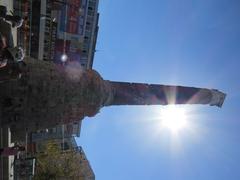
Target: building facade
69 145
53 28
59 132
77 30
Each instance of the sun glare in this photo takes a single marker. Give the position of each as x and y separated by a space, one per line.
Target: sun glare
174 118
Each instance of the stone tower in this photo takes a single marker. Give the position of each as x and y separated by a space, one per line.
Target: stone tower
48 95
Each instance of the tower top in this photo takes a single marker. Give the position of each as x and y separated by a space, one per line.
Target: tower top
125 93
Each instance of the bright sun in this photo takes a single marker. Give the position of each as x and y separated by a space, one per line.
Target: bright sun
174 118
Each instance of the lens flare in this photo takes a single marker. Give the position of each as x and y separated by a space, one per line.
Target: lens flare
174 118
64 58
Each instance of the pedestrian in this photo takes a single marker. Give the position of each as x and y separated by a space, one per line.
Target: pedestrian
10 55
15 20
3 11
11 60
3 46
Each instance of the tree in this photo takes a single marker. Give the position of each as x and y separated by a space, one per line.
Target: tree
55 164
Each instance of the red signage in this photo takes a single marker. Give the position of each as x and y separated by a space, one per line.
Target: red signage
72 19
76 3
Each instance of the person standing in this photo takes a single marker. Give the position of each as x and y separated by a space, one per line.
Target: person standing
15 20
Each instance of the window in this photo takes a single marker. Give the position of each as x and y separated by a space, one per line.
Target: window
91 4
88 28
65 146
91 13
50 130
87 33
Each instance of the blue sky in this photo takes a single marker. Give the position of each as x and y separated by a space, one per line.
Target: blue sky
192 43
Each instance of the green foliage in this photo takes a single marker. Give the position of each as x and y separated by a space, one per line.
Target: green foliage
54 164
